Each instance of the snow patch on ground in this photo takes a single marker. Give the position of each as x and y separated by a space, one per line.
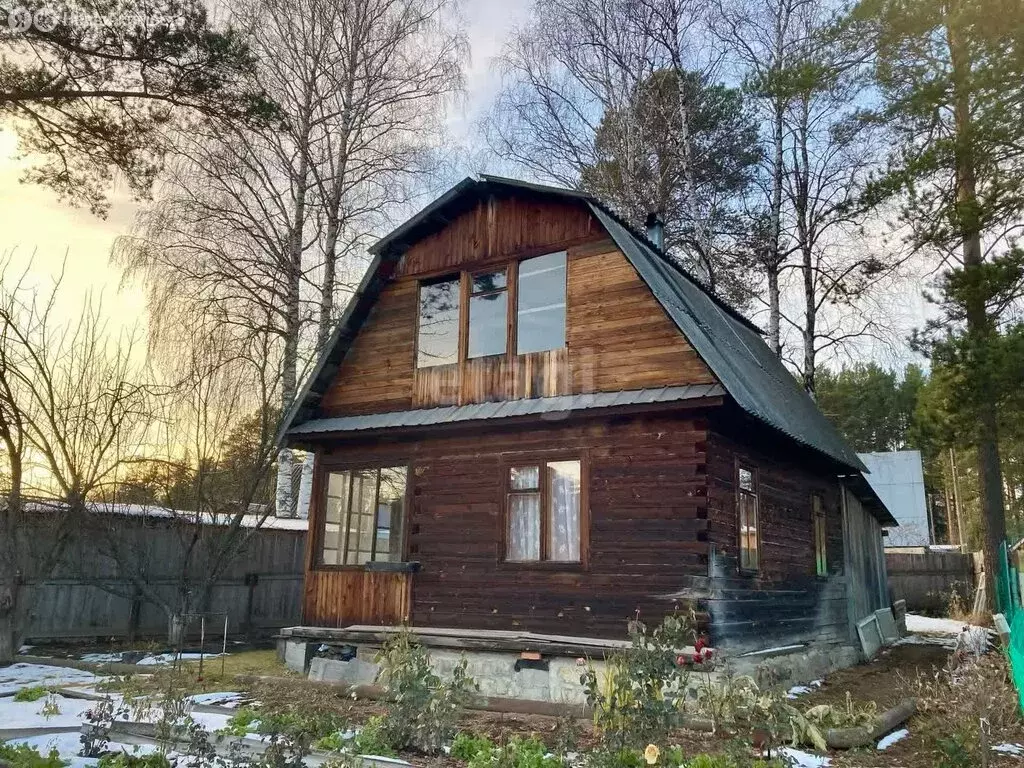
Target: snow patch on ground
800 690
916 623
1009 749
229 699
892 738
168 658
29 714
800 759
22 674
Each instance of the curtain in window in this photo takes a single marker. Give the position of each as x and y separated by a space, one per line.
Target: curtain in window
524 526
564 510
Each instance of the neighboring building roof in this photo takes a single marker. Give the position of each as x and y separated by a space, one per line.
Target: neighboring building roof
505 409
729 343
861 488
898 479
262 521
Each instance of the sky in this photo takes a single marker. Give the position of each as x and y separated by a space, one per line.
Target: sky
43 238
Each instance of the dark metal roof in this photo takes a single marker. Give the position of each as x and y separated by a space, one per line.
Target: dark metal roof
505 409
738 356
729 343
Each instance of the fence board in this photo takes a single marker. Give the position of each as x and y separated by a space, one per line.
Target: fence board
927 579
88 597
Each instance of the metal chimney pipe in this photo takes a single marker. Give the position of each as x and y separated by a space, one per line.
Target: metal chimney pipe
656 230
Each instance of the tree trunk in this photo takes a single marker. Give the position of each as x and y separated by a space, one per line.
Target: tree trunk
980 326
324 325
10 632
775 235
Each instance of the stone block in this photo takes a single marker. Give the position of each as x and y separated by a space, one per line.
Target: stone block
1002 628
870 636
887 625
297 654
352 672
899 612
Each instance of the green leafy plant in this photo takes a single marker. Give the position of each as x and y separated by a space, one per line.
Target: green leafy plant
31 693
51 707
955 751
124 760
466 746
240 723
423 708
635 703
517 753
24 756
372 739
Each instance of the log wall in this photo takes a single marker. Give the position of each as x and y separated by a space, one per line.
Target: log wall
617 334
785 602
647 526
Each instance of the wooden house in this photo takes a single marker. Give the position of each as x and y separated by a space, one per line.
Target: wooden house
531 419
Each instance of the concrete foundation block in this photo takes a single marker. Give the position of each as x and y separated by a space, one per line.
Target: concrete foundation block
870 636
297 654
887 625
352 672
1002 628
899 612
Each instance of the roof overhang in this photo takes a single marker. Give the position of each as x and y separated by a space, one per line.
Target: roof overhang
551 409
866 495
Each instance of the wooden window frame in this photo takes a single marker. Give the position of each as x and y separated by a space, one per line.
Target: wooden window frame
511 289
820 544
541 459
319 521
756 493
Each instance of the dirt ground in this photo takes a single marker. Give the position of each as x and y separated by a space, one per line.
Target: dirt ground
895 674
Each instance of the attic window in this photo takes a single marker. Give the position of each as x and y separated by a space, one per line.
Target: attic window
488 313
437 342
540 315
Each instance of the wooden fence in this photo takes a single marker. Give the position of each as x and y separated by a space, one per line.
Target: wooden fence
90 594
928 578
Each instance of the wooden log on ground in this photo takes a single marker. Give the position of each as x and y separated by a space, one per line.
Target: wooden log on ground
849 738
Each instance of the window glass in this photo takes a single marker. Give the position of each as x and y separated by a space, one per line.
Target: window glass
438 338
364 515
747 520
820 536
746 479
540 317
544 519
524 527
489 281
564 511
488 314
488 329
524 478
390 514
335 511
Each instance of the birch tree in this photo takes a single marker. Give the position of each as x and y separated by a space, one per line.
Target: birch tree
74 410
257 222
584 83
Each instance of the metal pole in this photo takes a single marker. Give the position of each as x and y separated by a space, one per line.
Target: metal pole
224 646
202 642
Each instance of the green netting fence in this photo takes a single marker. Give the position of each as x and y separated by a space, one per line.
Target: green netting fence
1008 598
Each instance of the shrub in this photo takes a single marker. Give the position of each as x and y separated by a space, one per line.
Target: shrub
31 693
24 756
240 723
517 753
466 746
423 709
635 704
124 760
372 739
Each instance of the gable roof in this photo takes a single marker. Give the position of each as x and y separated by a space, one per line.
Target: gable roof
728 343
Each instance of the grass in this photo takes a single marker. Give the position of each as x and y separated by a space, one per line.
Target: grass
186 679
31 693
